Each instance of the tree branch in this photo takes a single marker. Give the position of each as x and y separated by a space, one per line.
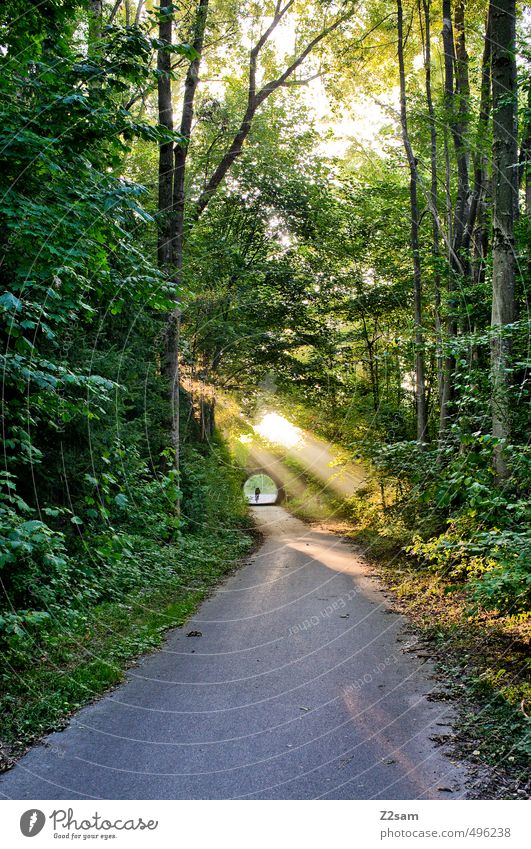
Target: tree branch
268 88
114 12
305 81
181 151
254 100
253 56
139 11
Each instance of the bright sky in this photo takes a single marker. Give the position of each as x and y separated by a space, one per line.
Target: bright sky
360 123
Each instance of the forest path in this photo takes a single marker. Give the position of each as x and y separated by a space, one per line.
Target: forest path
298 688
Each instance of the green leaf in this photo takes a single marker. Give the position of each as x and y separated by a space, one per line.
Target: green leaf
10 302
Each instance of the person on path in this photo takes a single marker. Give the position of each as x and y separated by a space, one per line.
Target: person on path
257 494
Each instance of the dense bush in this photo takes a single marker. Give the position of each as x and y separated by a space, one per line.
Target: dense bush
460 522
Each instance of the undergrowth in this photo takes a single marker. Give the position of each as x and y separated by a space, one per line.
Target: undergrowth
62 662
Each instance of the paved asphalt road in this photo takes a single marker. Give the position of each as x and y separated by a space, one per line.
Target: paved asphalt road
298 688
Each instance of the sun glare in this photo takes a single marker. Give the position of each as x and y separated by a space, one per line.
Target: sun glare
278 430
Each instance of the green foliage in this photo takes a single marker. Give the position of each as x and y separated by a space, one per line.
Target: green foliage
130 538
210 501
155 580
297 280
88 501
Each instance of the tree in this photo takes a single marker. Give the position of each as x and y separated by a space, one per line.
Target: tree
256 96
420 383
172 161
505 197
433 203
176 184
165 115
181 150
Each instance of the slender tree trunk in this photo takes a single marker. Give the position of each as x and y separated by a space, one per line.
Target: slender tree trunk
173 167
454 236
476 235
477 228
525 157
460 118
181 150
480 242
138 13
420 384
94 34
373 373
505 200
95 21
434 203
451 327
479 155
165 109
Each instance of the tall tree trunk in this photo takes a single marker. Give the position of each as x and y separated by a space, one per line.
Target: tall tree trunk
457 109
95 29
449 58
460 118
172 248
451 325
165 111
181 150
505 200
525 157
479 154
165 200
434 203
95 20
372 362
420 383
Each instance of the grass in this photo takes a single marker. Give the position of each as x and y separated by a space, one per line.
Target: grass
68 664
75 668
485 659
